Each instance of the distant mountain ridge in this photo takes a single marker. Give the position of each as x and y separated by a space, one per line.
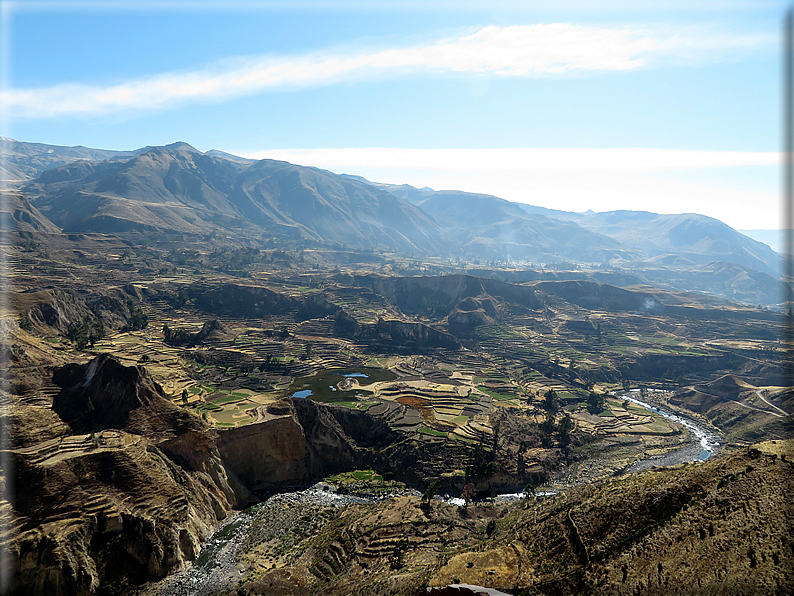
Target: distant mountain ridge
498 229
178 188
25 161
698 238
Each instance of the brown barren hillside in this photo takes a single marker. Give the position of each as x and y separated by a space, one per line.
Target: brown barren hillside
721 527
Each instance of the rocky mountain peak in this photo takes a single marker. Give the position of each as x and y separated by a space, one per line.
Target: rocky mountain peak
104 393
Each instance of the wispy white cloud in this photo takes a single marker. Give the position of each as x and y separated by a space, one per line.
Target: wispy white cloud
514 51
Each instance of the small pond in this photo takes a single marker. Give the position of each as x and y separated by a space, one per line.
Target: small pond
323 386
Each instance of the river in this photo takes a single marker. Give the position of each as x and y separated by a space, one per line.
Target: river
217 569
705 445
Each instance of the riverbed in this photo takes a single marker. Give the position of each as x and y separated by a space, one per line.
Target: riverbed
217 570
705 443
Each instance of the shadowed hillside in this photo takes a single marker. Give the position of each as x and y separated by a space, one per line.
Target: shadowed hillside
714 528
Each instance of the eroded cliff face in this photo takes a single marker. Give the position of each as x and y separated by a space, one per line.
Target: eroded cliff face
126 491
51 311
268 454
394 333
247 301
112 509
128 485
198 452
298 441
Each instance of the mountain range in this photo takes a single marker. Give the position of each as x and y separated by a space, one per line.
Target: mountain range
697 238
24 161
178 189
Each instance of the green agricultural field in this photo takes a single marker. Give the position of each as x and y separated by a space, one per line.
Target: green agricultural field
496 395
431 431
358 405
232 398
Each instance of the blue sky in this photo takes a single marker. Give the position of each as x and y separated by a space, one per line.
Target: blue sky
670 107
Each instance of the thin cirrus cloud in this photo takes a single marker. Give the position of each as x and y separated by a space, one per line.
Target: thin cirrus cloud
514 51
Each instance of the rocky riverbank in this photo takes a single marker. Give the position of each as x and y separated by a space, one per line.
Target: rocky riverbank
275 532
266 535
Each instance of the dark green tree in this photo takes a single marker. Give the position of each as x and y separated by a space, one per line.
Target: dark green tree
431 491
551 403
564 427
24 322
138 319
86 332
595 402
79 468
547 426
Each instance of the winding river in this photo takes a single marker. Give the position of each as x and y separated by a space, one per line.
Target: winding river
705 445
217 570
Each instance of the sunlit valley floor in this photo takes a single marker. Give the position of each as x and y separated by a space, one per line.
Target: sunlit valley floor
153 394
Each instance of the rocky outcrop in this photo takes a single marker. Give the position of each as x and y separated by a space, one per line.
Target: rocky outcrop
106 394
104 511
470 313
394 333
316 306
589 294
268 454
211 331
52 311
128 496
197 451
299 440
418 335
242 301
581 327
414 294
